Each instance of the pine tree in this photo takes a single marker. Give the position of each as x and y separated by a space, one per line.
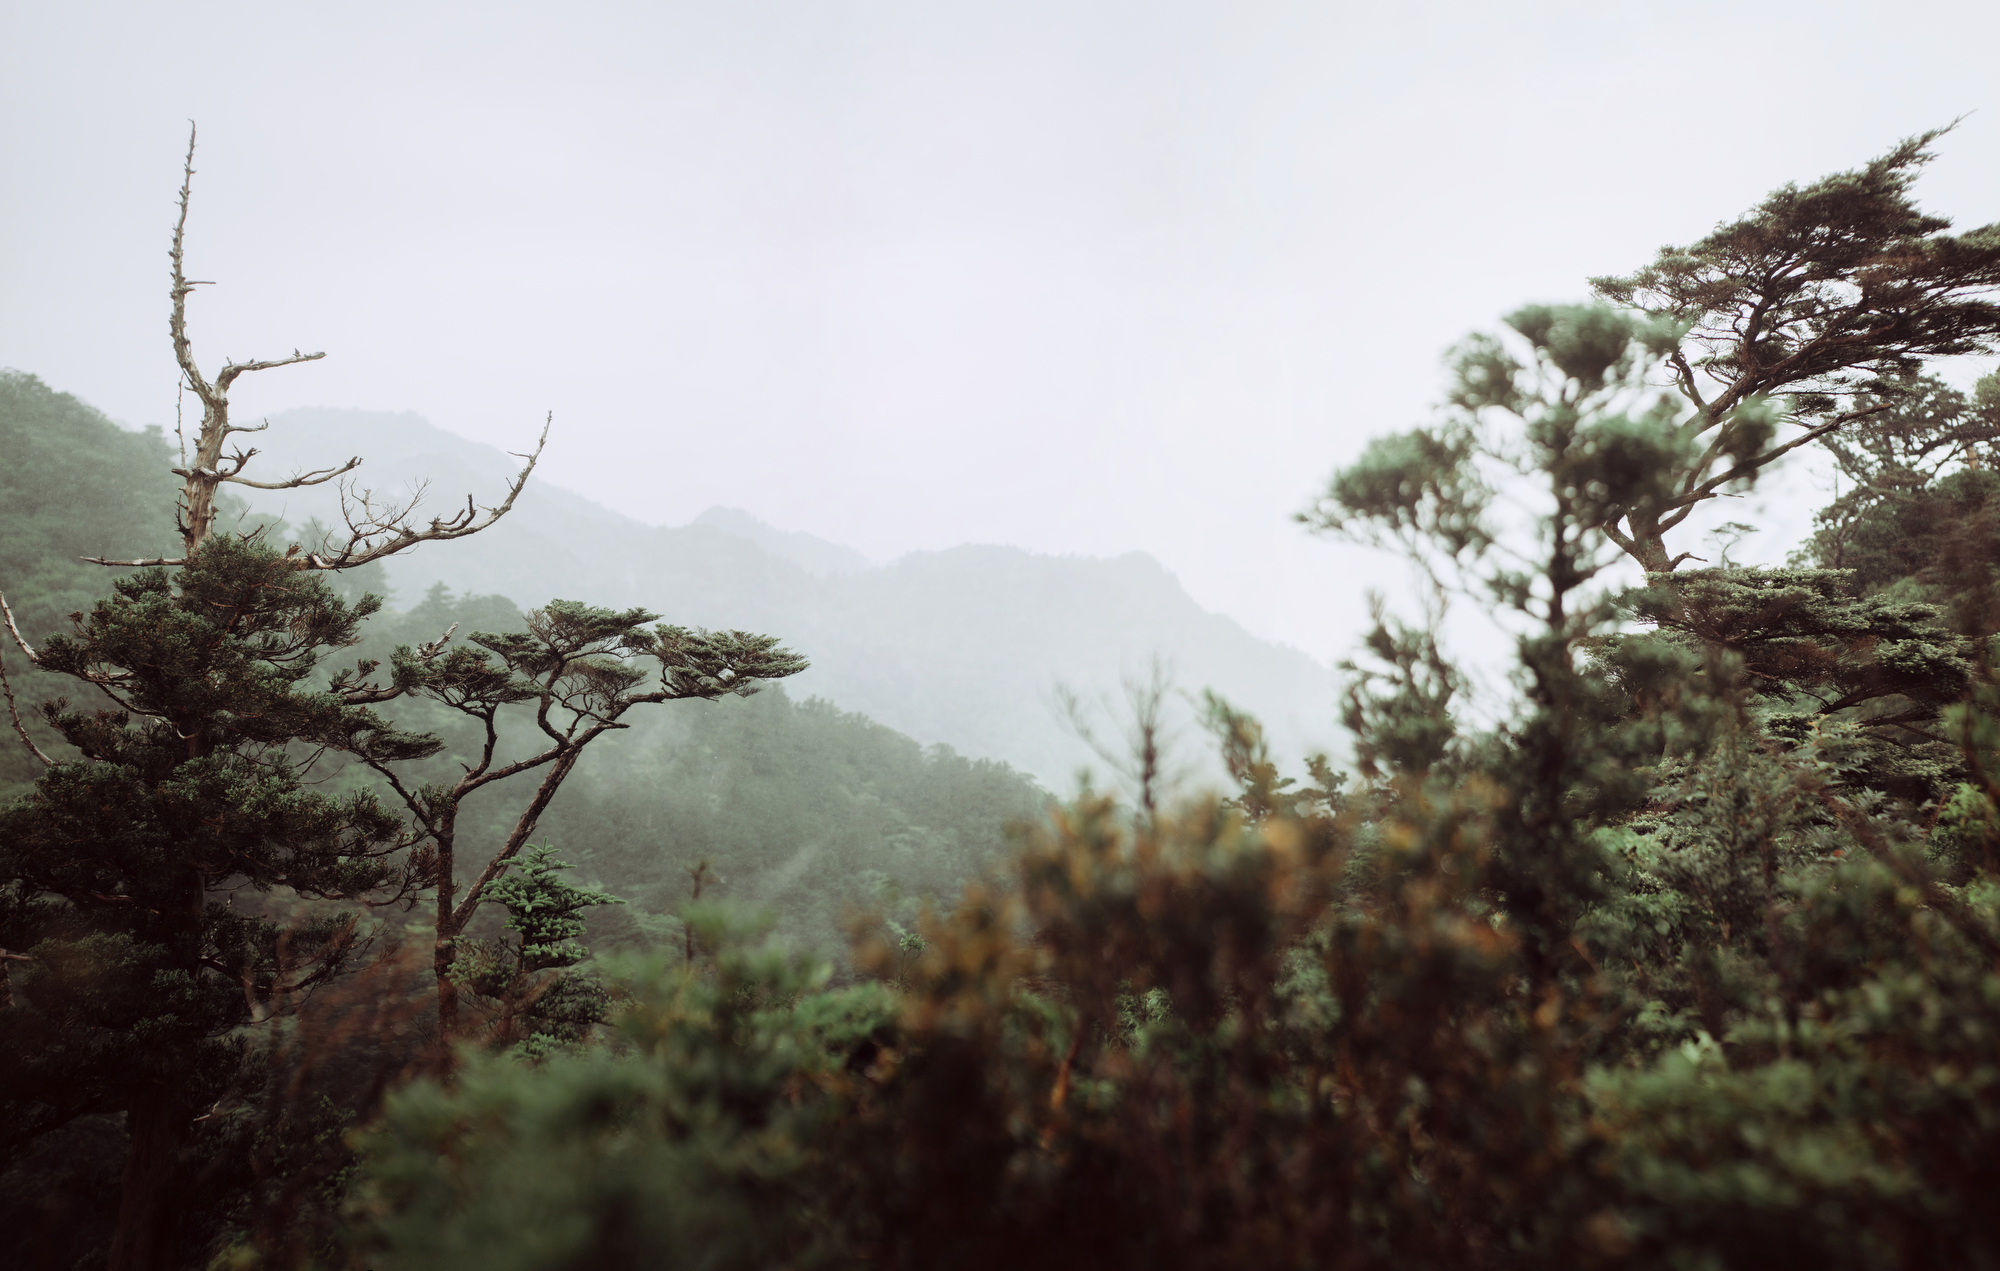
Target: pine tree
131 879
537 997
1832 294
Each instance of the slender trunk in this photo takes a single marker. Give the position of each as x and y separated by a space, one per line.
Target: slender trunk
442 961
158 1123
444 952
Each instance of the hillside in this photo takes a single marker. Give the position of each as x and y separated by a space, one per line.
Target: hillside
803 811
964 647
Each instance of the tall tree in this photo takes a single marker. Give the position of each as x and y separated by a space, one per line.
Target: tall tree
188 788
1832 294
120 873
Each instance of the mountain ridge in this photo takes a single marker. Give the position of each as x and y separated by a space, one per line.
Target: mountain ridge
965 646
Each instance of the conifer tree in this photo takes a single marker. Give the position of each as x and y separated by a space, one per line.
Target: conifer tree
1831 294
540 1000
120 875
131 966
574 673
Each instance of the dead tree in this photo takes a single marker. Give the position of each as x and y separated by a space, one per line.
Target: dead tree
372 530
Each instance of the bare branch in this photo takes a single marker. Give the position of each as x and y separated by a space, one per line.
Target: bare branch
233 369
177 321
20 729
134 564
318 476
15 629
373 536
435 647
205 470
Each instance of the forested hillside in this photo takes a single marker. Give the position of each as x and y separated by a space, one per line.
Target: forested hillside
801 809
805 812
74 484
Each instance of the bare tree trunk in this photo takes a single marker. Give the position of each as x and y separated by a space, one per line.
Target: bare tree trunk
148 1207
204 471
443 958
373 531
444 952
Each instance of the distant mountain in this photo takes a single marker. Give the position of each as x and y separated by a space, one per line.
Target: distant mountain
809 552
966 647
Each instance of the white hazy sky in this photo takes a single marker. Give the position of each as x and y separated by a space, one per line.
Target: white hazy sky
1080 277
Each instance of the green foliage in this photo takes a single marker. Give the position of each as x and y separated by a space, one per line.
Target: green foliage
1688 959
1915 474
539 999
75 485
810 813
1811 652
691 1143
120 873
1826 290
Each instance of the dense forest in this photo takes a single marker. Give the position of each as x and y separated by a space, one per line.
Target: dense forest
444 937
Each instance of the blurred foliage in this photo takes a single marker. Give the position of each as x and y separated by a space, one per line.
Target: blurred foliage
1651 974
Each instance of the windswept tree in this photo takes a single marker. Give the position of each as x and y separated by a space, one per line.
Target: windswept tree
1832 294
571 677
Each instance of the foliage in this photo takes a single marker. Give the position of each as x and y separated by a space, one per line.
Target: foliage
1690 957
1831 294
537 997
120 872
688 1144
75 484
1922 467
1646 976
575 671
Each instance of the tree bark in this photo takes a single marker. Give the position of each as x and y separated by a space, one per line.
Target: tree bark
158 1123
444 952
1649 545
443 957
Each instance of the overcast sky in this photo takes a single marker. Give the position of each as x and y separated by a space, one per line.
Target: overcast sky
1079 277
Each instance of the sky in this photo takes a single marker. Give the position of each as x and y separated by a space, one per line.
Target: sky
1076 277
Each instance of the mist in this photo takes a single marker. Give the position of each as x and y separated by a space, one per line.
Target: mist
1078 279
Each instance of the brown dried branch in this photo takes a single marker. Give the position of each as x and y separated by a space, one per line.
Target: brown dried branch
135 564
319 476
177 320
204 473
232 370
20 729
374 535
15 629
371 534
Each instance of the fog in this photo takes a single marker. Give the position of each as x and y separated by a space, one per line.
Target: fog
1078 278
